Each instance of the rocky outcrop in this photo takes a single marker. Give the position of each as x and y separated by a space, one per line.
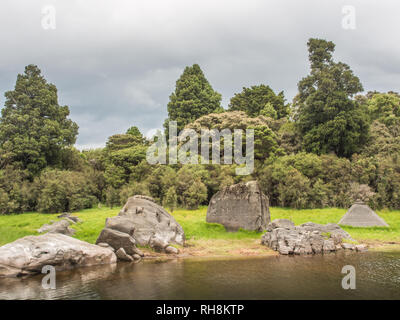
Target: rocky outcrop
309 238
60 226
28 255
242 205
143 222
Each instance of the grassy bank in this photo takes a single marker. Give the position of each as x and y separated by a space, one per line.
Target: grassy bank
204 238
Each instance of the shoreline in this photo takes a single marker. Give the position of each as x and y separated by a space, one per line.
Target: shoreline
239 249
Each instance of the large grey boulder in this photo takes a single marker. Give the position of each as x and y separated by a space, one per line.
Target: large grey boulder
242 205
361 215
146 222
29 254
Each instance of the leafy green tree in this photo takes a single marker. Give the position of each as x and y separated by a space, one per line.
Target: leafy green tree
34 128
120 156
195 195
61 190
269 111
385 107
18 194
132 189
134 131
381 141
265 140
328 117
260 100
193 97
112 197
170 199
123 141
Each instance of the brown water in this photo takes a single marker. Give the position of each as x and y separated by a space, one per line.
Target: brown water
282 277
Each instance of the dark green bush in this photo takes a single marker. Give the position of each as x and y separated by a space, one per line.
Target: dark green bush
60 190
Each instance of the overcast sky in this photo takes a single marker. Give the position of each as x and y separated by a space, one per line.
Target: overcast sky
115 63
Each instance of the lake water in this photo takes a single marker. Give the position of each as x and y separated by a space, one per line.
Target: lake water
276 277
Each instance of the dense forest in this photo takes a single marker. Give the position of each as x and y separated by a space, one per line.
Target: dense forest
327 148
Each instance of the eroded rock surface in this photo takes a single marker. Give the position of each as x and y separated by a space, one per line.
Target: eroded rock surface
242 205
309 238
29 254
145 223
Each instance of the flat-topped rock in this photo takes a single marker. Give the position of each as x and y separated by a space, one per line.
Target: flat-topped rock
29 254
242 205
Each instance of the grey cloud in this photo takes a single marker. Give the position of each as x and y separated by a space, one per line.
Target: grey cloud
115 63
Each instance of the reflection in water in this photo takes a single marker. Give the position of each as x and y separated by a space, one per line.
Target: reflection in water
277 277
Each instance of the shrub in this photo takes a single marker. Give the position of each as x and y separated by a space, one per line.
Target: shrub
60 191
131 190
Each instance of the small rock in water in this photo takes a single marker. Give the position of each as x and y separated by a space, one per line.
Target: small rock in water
171 250
137 258
122 255
158 243
138 252
361 248
348 246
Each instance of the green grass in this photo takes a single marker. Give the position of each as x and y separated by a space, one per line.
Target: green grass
13 227
195 226
194 223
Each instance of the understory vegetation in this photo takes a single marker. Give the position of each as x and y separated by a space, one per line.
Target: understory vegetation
328 148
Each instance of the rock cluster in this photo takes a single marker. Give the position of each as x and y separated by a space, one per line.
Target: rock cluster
61 226
309 238
29 254
241 205
141 221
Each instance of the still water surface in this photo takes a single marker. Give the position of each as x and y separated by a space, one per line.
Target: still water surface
282 277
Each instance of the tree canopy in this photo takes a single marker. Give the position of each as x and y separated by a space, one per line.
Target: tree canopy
34 128
193 97
260 100
327 115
